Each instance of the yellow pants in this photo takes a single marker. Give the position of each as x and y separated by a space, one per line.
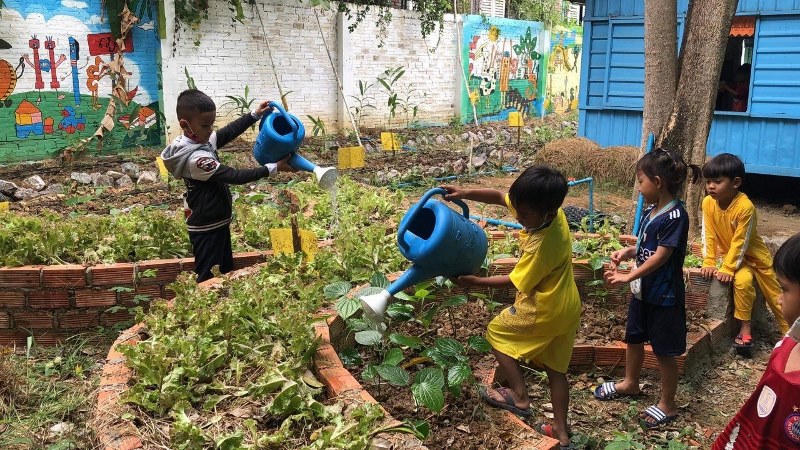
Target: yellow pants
744 293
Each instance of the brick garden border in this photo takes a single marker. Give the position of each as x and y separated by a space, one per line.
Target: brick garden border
52 303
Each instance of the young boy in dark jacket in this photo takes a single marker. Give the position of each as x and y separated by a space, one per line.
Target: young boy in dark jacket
208 203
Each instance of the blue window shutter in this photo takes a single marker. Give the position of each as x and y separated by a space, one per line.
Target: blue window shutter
625 65
776 67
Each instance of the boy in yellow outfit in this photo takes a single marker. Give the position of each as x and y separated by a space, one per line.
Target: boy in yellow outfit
541 325
729 222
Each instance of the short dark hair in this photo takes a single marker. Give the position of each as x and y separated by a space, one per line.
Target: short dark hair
193 101
787 259
669 166
539 187
724 165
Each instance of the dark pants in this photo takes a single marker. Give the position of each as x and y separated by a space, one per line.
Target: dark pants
211 249
663 326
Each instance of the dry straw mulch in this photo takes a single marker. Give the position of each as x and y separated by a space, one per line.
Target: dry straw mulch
581 157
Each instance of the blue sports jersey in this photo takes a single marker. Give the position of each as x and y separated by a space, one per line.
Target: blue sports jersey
667 228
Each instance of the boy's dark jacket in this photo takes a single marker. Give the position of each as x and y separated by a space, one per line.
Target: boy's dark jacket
208 201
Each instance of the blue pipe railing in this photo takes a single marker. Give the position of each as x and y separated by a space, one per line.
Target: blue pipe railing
588 180
637 219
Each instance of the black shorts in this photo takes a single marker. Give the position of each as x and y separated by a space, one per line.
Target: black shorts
663 326
211 249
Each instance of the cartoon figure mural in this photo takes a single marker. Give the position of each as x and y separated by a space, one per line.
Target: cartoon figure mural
94 73
42 32
74 55
504 59
563 69
8 80
36 65
50 45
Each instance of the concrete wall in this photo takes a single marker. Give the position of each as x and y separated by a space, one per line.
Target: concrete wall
232 55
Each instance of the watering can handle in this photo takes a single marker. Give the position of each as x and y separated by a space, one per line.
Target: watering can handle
283 112
401 232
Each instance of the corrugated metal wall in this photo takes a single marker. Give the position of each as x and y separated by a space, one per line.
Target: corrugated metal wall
767 137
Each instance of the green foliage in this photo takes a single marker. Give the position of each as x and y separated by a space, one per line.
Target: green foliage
692 261
189 80
398 95
49 239
238 351
549 12
363 101
241 104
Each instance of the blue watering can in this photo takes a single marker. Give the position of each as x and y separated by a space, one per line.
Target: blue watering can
280 134
438 241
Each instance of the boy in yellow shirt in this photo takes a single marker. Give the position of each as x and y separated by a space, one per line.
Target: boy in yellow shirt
729 223
541 325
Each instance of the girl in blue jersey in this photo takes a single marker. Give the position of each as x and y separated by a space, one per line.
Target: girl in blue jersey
657 312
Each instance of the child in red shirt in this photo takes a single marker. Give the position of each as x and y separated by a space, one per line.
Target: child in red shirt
770 419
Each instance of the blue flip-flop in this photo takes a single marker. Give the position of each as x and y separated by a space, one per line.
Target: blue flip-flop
655 413
508 405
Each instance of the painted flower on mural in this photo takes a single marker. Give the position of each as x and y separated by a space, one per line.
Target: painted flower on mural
494 33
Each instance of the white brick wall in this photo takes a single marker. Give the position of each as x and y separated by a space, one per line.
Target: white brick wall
232 55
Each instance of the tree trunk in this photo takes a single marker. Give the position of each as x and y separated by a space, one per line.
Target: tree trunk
660 70
705 38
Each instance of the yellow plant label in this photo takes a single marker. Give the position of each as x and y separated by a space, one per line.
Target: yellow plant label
162 169
389 141
4 207
515 119
351 157
281 240
308 243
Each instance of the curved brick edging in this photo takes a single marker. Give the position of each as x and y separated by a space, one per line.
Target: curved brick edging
112 431
54 302
340 383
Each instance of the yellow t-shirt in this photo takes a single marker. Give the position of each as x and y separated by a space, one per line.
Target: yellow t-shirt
547 302
733 230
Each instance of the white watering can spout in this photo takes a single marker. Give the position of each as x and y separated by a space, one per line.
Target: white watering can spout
326 177
375 305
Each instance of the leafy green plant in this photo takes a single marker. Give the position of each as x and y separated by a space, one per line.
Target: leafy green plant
398 95
363 101
450 369
240 104
692 261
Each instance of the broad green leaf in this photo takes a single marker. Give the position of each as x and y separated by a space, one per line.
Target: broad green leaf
448 346
458 374
393 374
350 357
405 341
231 442
596 263
405 297
422 293
369 372
338 289
213 400
479 343
368 337
427 388
421 428
595 283
400 311
427 316
379 280
393 357
287 401
346 307
431 375
456 301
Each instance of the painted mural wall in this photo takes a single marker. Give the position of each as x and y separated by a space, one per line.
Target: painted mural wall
563 70
505 63
54 86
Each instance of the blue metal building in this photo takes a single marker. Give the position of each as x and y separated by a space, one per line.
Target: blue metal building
767 45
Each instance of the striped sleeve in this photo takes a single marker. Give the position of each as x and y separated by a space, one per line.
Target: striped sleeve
745 228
